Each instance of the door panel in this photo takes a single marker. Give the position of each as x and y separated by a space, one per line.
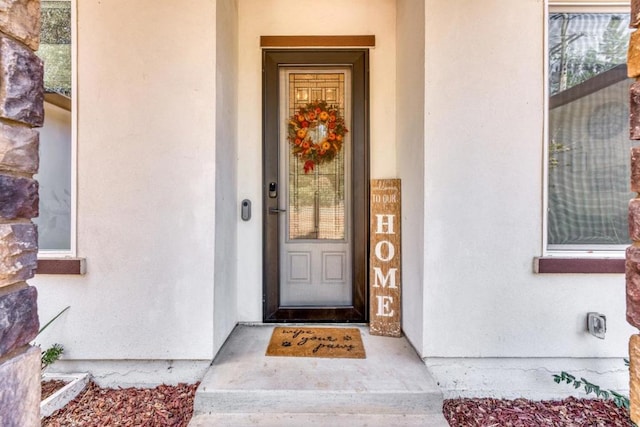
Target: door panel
315 217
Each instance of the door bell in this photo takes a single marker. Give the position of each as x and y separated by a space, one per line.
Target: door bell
245 211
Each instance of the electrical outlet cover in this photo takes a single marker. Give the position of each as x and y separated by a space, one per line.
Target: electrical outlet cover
597 324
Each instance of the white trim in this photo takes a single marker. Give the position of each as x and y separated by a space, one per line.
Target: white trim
584 3
594 8
74 128
588 6
545 134
51 253
571 251
72 251
588 3
606 254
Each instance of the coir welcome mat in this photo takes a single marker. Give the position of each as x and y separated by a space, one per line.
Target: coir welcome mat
316 342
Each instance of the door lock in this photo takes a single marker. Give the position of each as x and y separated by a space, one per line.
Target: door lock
276 210
273 190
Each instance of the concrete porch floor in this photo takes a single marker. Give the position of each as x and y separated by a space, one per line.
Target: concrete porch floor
392 386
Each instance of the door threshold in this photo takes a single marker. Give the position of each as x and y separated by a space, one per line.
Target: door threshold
319 324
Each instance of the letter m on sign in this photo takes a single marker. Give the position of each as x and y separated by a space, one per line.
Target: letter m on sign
385 275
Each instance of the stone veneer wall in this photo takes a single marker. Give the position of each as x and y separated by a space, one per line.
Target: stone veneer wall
21 109
633 252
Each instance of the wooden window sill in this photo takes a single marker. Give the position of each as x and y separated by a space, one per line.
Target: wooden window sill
70 266
559 265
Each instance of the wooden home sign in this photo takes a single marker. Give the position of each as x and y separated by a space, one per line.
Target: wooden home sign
385 259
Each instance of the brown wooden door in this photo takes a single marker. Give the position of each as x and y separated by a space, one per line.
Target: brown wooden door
315 185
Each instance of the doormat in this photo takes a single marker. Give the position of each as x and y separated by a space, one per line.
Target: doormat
316 342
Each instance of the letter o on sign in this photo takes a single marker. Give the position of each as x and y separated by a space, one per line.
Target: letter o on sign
391 251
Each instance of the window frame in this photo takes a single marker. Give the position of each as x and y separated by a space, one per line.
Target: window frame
572 252
71 253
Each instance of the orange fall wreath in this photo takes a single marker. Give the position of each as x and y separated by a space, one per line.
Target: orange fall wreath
316 134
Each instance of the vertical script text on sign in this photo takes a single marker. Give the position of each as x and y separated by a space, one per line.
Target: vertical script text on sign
385 264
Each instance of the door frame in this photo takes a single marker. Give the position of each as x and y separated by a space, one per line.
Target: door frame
358 61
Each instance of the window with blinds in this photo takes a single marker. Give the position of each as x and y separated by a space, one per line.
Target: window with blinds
588 140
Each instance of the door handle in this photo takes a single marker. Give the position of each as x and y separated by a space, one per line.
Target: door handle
276 210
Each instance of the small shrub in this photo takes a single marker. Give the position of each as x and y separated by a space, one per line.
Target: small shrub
50 356
53 353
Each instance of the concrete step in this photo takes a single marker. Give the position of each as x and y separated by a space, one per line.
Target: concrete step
304 401
245 387
320 420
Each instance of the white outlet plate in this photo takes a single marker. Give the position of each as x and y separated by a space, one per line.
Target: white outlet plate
597 324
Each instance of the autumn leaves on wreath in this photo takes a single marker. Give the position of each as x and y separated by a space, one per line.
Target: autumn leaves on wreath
316 133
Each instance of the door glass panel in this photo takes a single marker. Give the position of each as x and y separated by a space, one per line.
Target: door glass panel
315 156
316 190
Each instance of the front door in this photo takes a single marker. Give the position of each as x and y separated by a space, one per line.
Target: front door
315 185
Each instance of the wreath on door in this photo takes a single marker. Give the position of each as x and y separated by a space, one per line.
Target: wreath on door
316 134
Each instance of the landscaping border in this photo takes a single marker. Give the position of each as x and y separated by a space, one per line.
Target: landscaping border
76 383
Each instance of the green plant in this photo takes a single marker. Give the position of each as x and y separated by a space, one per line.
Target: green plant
52 354
619 400
54 318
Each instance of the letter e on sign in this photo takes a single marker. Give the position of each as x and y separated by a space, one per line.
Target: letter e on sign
385 273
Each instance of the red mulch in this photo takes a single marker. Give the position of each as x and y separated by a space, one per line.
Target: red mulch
522 412
50 387
173 406
161 406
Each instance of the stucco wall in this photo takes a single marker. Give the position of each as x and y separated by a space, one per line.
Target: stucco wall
225 314
483 207
146 185
410 159
469 148
289 17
